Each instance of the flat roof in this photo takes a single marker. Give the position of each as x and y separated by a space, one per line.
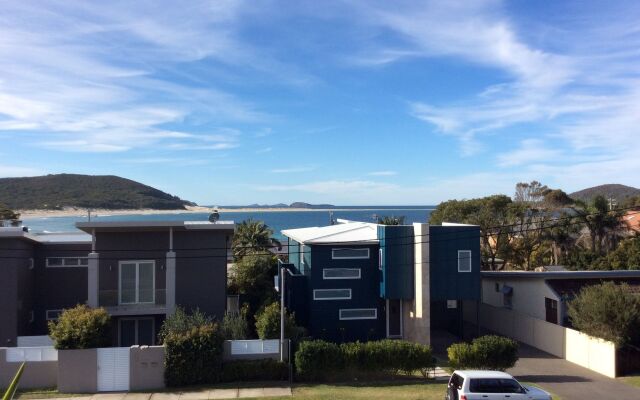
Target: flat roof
562 274
152 225
46 237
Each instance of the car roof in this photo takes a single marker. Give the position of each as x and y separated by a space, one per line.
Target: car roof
483 374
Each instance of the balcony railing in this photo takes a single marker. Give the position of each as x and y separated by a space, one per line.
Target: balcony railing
123 302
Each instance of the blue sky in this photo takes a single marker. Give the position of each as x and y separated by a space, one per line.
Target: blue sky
346 102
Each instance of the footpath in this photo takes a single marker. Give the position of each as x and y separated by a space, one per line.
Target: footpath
206 394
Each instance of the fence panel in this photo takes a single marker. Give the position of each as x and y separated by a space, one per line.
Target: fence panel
242 347
33 354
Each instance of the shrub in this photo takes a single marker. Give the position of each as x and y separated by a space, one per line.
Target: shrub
255 370
235 327
316 359
322 360
607 311
193 357
268 323
81 327
486 352
181 322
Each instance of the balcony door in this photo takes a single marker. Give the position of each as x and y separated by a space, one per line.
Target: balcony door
136 331
136 282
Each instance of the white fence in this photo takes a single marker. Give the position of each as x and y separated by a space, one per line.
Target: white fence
20 354
593 353
34 341
242 347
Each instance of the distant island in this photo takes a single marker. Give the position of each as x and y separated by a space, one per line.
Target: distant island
296 205
617 191
64 191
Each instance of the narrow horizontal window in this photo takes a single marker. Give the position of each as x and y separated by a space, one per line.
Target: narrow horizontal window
358 313
338 254
332 294
341 273
464 260
53 315
67 261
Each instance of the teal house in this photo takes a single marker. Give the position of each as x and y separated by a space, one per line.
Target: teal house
363 281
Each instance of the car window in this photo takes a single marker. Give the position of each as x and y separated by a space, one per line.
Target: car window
493 385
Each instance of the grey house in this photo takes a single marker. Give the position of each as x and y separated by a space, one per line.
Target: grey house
138 271
362 281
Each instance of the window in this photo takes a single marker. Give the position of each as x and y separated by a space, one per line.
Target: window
301 255
494 385
53 315
31 263
137 282
341 273
358 313
332 294
464 260
338 254
67 261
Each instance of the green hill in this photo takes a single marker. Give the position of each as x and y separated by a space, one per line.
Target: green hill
84 191
617 191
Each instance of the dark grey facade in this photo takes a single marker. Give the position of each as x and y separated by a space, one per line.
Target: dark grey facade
139 272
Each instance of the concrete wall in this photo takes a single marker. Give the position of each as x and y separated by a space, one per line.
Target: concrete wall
593 353
37 374
528 295
78 371
146 368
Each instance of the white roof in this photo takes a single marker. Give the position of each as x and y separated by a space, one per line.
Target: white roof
61 237
483 374
348 232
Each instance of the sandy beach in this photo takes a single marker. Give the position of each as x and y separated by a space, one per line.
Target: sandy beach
81 212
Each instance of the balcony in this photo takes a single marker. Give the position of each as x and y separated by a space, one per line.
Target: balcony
124 302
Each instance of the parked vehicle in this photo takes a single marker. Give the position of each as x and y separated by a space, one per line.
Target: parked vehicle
490 385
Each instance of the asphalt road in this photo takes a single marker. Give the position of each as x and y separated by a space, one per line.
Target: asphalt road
568 380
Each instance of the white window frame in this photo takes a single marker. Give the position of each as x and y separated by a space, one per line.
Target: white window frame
375 314
64 265
48 318
460 253
302 255
333 256
324 275
137 263
331 298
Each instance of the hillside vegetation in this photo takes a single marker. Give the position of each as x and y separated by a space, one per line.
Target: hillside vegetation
84 191
617 191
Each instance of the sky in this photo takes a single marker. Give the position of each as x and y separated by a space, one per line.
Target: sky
343 102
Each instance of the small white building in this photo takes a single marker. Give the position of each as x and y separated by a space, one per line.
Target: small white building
544 295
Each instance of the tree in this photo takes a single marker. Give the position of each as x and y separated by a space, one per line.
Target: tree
8 214
252 277
604 226
268 323
531 193
81 327
253 236
607 311
625 256
391 220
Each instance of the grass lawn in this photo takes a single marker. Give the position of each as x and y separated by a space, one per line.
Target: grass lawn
631 380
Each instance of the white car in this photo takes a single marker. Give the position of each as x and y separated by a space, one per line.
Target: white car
490 385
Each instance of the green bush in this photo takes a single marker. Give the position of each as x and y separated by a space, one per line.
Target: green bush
193 357
316 359
81 327
268 323
182 322
255 370
486 352
235 327
319 360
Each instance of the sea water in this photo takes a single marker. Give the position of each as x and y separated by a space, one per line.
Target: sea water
276 220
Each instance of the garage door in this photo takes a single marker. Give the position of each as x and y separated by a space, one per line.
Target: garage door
113 369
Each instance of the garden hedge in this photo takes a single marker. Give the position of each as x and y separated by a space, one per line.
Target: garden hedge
486 352
255 370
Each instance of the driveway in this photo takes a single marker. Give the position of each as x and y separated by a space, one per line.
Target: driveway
566 379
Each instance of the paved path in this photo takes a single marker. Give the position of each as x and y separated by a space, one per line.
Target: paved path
566 379
211 394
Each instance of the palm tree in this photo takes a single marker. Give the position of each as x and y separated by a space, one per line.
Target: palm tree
253 236
604 226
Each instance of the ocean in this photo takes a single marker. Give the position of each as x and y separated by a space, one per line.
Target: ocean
276 220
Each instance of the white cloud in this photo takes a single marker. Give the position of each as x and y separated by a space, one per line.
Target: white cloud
12 171
292 170
382 173
530 151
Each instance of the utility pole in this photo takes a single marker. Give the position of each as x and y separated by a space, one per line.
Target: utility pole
282 317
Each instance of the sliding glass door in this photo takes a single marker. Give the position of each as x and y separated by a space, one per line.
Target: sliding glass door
137 282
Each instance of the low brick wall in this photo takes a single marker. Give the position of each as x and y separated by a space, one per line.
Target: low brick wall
36 375
78 371
146 368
